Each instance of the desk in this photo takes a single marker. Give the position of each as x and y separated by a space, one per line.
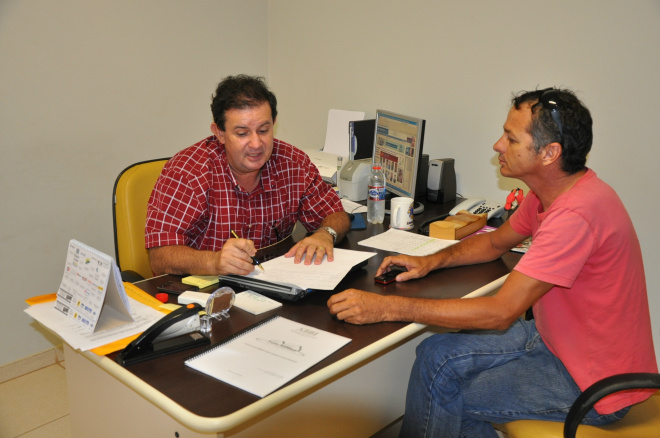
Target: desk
355 392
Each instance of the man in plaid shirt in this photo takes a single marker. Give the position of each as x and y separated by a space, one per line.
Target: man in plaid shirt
243 180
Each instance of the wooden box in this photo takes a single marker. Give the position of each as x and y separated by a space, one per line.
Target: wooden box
458 226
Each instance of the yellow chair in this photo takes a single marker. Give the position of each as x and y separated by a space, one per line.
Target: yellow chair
129 212
642 421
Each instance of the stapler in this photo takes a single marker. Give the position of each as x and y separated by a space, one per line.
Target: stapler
174 332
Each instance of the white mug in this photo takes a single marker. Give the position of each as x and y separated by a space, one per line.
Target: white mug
401 213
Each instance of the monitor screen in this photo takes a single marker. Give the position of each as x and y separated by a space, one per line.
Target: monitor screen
398 142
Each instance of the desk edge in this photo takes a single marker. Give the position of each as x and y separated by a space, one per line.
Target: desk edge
231 421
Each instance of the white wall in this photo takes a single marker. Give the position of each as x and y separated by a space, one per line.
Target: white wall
456 63
88 87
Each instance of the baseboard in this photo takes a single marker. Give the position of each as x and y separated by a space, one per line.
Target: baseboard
391 430
31 363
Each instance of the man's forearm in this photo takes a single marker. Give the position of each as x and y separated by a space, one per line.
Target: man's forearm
339 222
518 293
476 313
473 250
180 260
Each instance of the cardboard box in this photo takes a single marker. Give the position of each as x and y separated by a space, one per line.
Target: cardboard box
458 226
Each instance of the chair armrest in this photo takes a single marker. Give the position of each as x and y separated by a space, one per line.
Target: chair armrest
602 388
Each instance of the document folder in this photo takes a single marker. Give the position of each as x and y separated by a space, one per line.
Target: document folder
285 291
276 290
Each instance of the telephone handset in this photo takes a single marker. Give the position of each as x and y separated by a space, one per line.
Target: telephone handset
169 334
478 206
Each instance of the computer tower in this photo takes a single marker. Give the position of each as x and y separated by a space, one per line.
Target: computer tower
441 181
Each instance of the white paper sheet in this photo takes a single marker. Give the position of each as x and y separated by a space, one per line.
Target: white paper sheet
337 138
406 242
353 207
254 302
91 292
268 356
325 276
80 338
326 163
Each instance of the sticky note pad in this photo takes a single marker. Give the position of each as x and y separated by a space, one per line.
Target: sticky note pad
201 281
193 297
254 302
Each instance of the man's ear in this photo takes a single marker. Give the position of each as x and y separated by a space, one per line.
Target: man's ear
215 129
551 153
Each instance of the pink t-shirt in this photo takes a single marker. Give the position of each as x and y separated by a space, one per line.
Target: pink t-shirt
596 319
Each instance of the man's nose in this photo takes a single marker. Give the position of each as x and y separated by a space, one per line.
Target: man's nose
255 140
499 145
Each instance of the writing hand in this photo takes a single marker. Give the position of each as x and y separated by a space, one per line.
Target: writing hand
236 257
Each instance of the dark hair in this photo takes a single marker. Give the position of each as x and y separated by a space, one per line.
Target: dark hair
241 92
576 134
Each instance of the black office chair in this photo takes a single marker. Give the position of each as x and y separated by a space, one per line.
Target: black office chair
643 419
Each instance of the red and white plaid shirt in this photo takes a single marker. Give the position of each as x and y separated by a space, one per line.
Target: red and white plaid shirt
197 202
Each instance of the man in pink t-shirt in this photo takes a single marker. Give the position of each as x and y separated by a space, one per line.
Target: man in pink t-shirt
585 245
583 275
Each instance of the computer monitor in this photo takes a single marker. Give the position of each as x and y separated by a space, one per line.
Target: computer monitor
398 143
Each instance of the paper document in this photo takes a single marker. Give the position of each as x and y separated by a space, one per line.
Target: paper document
406 242
267 356
91 292
337 138
80 338
326 163
325 276
523 247
337 144
254 302
353 207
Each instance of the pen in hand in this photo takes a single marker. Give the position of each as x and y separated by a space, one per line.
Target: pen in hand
256 262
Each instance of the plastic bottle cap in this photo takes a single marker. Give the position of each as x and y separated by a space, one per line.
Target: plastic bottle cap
162 297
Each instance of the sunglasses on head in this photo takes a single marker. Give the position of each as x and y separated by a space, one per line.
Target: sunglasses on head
550 99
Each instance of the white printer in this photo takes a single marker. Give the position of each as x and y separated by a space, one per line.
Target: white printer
354 179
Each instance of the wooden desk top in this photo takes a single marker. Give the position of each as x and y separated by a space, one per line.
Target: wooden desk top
208 397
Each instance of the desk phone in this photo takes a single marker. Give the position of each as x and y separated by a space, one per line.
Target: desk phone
479 206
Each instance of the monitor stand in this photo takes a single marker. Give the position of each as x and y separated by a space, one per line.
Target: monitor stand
418 207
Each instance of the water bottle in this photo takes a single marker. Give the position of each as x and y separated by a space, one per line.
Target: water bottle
376 195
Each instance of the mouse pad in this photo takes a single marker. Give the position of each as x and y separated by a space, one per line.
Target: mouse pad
358 222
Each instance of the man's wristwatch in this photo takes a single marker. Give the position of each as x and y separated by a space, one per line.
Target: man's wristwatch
332 232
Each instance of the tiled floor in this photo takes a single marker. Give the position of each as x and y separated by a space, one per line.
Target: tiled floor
34 403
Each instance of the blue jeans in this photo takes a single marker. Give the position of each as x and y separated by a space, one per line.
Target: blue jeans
461 382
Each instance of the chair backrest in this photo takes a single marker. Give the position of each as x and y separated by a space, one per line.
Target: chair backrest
129 212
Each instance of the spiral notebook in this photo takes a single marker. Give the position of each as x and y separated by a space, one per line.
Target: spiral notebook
268 355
